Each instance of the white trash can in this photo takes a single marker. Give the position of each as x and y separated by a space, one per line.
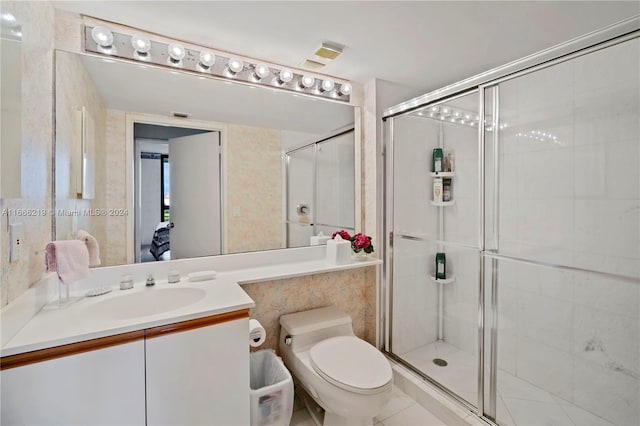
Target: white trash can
271 390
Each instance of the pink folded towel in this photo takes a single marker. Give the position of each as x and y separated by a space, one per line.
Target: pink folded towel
69 259
92 246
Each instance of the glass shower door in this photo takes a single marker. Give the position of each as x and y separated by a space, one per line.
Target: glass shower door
300 175
563 242
335 159
434 311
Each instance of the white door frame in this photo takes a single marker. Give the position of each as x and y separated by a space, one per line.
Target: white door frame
133 204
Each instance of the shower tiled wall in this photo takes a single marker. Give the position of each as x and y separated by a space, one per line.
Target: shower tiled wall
415 295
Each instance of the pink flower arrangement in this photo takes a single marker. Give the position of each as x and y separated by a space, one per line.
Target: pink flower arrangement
343 234
361 242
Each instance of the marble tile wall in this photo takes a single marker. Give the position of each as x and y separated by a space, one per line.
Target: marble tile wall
573 199
415 296
38 30
353 291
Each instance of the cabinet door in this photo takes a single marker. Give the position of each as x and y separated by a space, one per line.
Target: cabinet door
101 387
199 376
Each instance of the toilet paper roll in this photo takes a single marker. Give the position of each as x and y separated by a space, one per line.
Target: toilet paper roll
257 333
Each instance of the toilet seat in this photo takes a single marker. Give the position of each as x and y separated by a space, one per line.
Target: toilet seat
351 364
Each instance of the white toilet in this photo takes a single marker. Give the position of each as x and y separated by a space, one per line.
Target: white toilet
350 379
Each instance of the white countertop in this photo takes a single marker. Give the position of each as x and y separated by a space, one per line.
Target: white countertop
82 319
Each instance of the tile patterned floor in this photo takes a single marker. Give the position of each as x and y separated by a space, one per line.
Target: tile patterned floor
519 402
401 411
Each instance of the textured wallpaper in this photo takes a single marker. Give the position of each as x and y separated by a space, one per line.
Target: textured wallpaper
115 187
37 134
353 291
253 208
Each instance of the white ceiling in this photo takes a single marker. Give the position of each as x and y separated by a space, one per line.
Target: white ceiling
422 45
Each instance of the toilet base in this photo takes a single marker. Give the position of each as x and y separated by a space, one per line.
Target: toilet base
321 418
316 412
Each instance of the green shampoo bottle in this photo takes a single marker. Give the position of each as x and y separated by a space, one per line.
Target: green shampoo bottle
437 160
441 263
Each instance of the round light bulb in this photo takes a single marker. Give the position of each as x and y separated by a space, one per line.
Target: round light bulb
307 81
141 44
445 111
346 89
176 52
8 19
261 70
102 36
286 75
235 65
328 85
207 59
435 108
457 114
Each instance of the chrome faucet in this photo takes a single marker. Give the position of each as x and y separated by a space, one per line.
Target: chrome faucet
150 280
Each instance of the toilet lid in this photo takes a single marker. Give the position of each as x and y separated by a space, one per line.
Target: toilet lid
351 363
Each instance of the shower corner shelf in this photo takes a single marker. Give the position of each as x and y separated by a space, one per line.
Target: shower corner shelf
450 279
442 174
443 203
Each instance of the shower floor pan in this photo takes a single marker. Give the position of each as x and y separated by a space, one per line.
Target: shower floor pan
519 402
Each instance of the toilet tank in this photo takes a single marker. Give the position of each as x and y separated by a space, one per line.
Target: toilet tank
306 328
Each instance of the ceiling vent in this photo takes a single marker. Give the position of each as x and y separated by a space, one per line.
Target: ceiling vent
181 115
328 51
311 64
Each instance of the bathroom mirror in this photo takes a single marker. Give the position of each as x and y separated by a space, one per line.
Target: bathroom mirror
10 106
188 166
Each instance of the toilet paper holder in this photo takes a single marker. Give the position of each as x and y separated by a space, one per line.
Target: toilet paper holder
257 333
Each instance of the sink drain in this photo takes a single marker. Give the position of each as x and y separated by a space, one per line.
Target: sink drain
440 362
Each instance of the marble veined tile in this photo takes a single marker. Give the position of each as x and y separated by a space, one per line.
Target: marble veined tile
399 402
537 413
415 415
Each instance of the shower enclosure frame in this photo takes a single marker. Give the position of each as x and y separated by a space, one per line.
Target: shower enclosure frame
486 404
286 162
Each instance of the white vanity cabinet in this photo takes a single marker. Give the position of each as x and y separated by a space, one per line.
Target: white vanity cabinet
199 376
104 386
193 372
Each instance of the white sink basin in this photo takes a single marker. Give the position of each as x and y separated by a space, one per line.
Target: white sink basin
147 302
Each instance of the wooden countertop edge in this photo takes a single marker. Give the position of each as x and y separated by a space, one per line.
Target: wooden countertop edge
41 355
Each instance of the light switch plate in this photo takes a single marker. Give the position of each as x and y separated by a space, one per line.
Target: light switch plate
17 241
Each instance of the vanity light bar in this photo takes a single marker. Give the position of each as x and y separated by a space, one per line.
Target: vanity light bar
101 40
